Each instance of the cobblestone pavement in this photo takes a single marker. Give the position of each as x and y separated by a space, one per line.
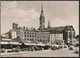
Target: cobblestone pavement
44 53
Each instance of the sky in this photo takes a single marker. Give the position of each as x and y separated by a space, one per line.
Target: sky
27 13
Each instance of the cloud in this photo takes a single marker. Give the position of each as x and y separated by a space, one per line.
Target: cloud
28 18
8 4
61 22
58 22
10 14
25 14
20 13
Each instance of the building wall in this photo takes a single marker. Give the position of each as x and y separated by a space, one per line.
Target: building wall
43 36
30 35
70 36
14 34
58 37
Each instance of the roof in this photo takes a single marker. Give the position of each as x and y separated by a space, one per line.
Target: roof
42 30
59 29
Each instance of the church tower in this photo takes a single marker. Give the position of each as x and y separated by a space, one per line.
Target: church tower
42 20
48 24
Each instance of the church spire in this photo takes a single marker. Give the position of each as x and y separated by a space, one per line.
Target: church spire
49 24
42 14
42 8
42 19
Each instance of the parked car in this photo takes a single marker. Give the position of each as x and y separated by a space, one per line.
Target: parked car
24 49
30 49
65 46
15 50
71 48
8 50
37 48
77 48
46 47
61 46
54 47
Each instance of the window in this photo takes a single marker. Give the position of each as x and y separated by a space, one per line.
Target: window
24 35
32 32
73 34
27 32
69 34
30 35
35 35
27 35
25 38
24 32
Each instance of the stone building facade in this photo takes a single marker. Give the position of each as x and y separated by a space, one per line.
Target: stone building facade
35 35
64 34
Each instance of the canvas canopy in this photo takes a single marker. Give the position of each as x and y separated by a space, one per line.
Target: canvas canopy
4 42
29 43
41 44
15 43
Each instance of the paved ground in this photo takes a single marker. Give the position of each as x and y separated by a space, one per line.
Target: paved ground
44 53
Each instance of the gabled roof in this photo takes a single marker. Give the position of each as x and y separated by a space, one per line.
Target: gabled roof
60 29
69 28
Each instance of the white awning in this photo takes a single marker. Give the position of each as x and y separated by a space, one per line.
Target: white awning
15 43
48 44
29 43
6 39
4 42
41 44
